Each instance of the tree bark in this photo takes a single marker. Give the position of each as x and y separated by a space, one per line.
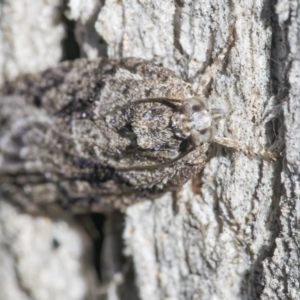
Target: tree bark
229 233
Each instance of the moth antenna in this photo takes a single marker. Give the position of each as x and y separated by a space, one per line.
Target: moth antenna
239 146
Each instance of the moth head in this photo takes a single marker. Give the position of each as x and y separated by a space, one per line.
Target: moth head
196 121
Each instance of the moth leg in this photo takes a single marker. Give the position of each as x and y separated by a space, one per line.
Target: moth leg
213 69
239 146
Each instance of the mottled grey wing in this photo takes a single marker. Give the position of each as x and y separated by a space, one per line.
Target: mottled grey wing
78 135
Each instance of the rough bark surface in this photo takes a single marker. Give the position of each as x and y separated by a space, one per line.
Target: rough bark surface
230 233
46 256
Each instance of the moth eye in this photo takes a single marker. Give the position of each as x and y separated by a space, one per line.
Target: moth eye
192 105
197 108
206 135
198 104
203 136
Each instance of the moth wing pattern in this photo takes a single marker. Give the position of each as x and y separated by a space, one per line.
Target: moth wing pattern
81 135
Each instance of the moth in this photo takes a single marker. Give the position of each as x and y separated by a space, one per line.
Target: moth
90 135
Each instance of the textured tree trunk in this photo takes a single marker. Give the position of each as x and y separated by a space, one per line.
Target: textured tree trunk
229 233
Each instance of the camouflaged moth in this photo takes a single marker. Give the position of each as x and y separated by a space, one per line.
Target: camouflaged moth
91 134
